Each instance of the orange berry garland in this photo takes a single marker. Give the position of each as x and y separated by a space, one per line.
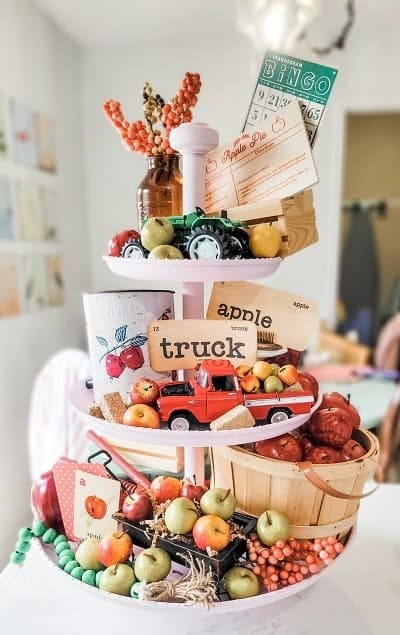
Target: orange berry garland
286 563
143 136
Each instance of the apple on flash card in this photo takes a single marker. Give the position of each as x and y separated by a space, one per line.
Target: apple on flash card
95 500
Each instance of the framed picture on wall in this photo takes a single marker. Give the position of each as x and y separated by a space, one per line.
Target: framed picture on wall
30 210
34 282
3 126
51 216
55 280
10 303
7 211
46 142
22 133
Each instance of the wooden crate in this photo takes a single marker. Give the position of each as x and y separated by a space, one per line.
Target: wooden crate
260 483
164 458
294 215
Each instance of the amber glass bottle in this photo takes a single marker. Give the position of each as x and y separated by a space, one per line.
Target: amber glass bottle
160 192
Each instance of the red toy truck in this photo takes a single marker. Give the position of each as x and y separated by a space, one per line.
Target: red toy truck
214 390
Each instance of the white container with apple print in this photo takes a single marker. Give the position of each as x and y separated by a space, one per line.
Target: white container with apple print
116 325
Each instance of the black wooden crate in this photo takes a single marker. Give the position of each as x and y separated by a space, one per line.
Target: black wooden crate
220 563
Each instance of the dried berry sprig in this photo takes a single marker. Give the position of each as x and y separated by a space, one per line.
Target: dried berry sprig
144 136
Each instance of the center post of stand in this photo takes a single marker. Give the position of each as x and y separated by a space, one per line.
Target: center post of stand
193 141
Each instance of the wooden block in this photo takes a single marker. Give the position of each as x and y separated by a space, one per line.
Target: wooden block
113 407
95 411
237 417
294 215
158 457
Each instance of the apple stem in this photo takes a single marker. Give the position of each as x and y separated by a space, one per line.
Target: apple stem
348 398
115 568
149 555
194 479
228 491
269 519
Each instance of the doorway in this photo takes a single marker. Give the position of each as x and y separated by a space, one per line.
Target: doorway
369 263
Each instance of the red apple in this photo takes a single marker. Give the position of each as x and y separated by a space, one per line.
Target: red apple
308 382
337 400
190 490
114 548
249 383
288 374
144 390
95 507
211 531
322 454
331 426
141 416
117 242
44 501
137 506
306 443
351 450
285 448
165 488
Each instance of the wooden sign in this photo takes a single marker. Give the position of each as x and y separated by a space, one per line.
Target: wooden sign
280 317
182 344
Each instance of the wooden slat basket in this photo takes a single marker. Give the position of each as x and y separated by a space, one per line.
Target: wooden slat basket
260 483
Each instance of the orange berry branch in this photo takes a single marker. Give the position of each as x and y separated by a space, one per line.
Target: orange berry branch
144 136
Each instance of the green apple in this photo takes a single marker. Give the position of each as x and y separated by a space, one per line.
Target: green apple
218 501
87 554
273 384
157 231
166 252
117 579
240 582
152 564
180 515
275 369
272 525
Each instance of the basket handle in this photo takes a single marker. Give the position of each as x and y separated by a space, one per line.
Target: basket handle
311 475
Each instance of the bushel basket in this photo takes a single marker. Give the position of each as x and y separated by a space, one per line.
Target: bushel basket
298 490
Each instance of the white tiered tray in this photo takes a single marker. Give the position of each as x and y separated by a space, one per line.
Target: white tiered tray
192 270
225 606
81 398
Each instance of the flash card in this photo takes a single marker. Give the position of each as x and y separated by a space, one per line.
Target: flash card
96 499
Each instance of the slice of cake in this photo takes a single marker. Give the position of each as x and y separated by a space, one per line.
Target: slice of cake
237 417
112 407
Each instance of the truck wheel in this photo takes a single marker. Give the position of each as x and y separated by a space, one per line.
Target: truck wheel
180 422
278 414
134 249
208 243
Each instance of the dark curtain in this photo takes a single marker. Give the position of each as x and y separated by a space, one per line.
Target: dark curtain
359 278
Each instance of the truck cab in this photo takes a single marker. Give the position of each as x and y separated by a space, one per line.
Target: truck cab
210 393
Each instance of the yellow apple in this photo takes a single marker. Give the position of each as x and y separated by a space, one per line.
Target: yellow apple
265 240
262 369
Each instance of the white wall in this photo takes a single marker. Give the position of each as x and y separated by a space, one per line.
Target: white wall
39 65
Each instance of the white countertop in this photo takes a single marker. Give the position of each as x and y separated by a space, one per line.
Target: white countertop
359 595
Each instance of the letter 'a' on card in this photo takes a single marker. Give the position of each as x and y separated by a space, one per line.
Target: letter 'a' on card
182 344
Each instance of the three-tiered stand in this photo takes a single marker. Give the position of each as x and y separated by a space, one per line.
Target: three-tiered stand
194 141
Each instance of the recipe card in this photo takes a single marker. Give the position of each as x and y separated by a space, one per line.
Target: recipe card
261 165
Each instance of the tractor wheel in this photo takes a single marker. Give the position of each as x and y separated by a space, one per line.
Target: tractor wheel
208 243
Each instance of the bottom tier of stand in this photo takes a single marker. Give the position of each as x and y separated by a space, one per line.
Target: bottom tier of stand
174 608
